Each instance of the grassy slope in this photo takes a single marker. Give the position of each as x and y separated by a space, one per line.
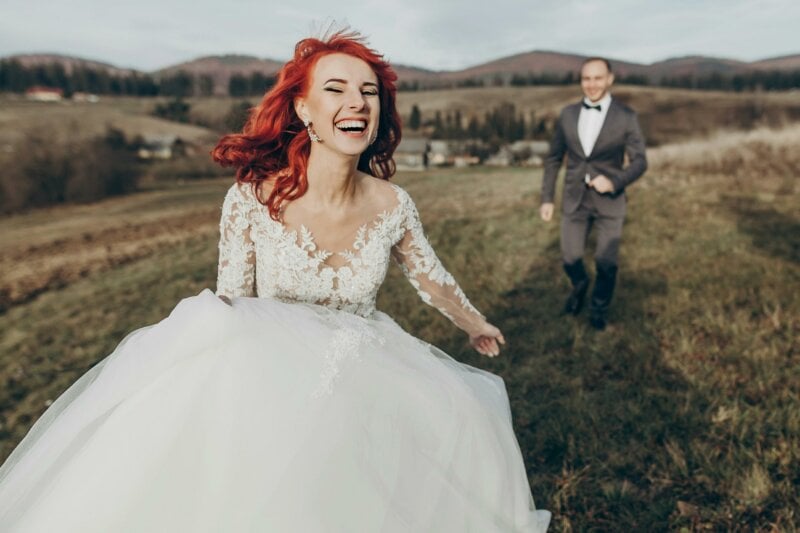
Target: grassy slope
684 413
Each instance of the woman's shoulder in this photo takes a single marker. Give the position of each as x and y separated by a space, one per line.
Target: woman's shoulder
386 195
241 198
250 192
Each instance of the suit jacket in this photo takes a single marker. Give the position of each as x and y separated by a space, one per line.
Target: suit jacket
619 135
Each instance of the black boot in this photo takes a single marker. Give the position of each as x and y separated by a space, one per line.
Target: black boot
602 293
580 283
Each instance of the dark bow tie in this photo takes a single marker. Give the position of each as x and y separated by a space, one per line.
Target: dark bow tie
587 106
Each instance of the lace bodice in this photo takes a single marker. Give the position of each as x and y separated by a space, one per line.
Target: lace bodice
260 256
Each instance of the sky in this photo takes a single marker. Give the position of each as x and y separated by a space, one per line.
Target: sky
434 34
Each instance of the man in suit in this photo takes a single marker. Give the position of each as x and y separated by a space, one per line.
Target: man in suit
595 134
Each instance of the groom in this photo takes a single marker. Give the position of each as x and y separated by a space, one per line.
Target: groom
595 134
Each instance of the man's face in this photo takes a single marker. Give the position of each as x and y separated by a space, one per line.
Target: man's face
596 80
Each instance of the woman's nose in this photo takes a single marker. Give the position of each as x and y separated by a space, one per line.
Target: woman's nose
357 101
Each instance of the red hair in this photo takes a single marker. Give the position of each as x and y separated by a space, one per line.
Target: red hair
274 143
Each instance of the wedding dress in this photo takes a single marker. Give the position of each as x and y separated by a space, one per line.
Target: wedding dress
301 410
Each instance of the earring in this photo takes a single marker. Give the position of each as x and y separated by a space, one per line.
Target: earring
311 134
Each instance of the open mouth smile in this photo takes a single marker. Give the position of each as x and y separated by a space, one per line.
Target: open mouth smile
352 127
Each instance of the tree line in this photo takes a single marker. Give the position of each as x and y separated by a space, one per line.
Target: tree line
767 80
501 124
16 77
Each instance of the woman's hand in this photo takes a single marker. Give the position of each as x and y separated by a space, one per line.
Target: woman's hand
486 339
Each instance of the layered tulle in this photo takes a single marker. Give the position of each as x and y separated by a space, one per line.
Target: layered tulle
268 416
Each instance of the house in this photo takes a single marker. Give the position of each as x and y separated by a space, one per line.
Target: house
529 153
412 154
462 161
85 97
39 93
165 146
540 148
439 153
502 158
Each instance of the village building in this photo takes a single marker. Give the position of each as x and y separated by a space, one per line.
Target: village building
85 97
412 154
39 93
165 146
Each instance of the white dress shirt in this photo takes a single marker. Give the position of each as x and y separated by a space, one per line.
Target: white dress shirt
590 121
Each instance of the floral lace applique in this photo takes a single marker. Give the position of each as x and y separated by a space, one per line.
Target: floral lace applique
260 255
348 339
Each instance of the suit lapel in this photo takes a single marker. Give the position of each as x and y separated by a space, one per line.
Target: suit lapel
571 127
611 116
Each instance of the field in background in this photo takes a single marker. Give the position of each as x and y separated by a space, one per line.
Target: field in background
684 413
667 115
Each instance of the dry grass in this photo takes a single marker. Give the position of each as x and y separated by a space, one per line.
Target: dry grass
66 120
684 414
762 153
666 115
53 247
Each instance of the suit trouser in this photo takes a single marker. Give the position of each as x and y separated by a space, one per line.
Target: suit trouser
575 228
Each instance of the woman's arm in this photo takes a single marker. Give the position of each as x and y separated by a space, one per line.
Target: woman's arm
237 253
437 287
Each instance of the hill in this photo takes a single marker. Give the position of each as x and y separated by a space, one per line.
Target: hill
69 63
537 62
790 62
221 68
666 115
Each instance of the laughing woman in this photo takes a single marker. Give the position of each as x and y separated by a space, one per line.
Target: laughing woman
286 402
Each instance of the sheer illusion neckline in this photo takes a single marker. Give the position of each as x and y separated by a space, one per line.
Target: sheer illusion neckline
302 238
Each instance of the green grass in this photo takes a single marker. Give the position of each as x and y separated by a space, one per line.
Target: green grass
684 414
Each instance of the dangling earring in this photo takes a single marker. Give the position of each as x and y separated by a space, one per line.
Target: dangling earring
311 134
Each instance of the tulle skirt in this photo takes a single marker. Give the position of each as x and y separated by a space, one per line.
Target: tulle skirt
267 416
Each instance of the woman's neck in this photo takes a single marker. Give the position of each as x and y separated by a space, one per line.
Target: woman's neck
331 178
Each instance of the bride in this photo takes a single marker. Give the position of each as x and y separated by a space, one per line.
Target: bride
303 409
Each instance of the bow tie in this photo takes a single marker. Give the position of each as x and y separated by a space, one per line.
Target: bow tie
597 107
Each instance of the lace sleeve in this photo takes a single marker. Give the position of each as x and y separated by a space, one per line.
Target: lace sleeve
435 285
237 254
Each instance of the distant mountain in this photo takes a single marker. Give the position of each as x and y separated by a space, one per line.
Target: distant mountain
537 62
694 65
557 63
778 63
222 67
69 63
406 72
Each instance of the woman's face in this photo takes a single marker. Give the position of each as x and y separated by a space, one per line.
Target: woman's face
342 103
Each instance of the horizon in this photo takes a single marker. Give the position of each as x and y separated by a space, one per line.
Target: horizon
405 65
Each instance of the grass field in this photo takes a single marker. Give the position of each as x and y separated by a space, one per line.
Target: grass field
667 115
685 413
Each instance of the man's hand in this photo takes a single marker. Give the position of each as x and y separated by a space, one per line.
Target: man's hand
602 184
546 211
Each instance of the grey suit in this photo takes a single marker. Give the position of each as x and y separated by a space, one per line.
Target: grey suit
583 207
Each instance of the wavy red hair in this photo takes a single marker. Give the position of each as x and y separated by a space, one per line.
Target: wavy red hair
274 144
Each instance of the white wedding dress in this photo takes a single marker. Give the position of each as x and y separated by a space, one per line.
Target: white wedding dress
301 410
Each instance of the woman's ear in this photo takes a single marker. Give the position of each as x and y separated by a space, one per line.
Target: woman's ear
301 109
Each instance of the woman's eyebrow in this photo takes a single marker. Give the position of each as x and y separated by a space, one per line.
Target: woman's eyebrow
339 80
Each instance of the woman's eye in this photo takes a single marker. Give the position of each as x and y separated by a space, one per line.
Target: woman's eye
369 93
333 89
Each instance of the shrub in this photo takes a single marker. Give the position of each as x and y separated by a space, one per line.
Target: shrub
44 172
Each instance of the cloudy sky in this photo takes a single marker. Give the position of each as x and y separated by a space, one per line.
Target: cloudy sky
435 34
